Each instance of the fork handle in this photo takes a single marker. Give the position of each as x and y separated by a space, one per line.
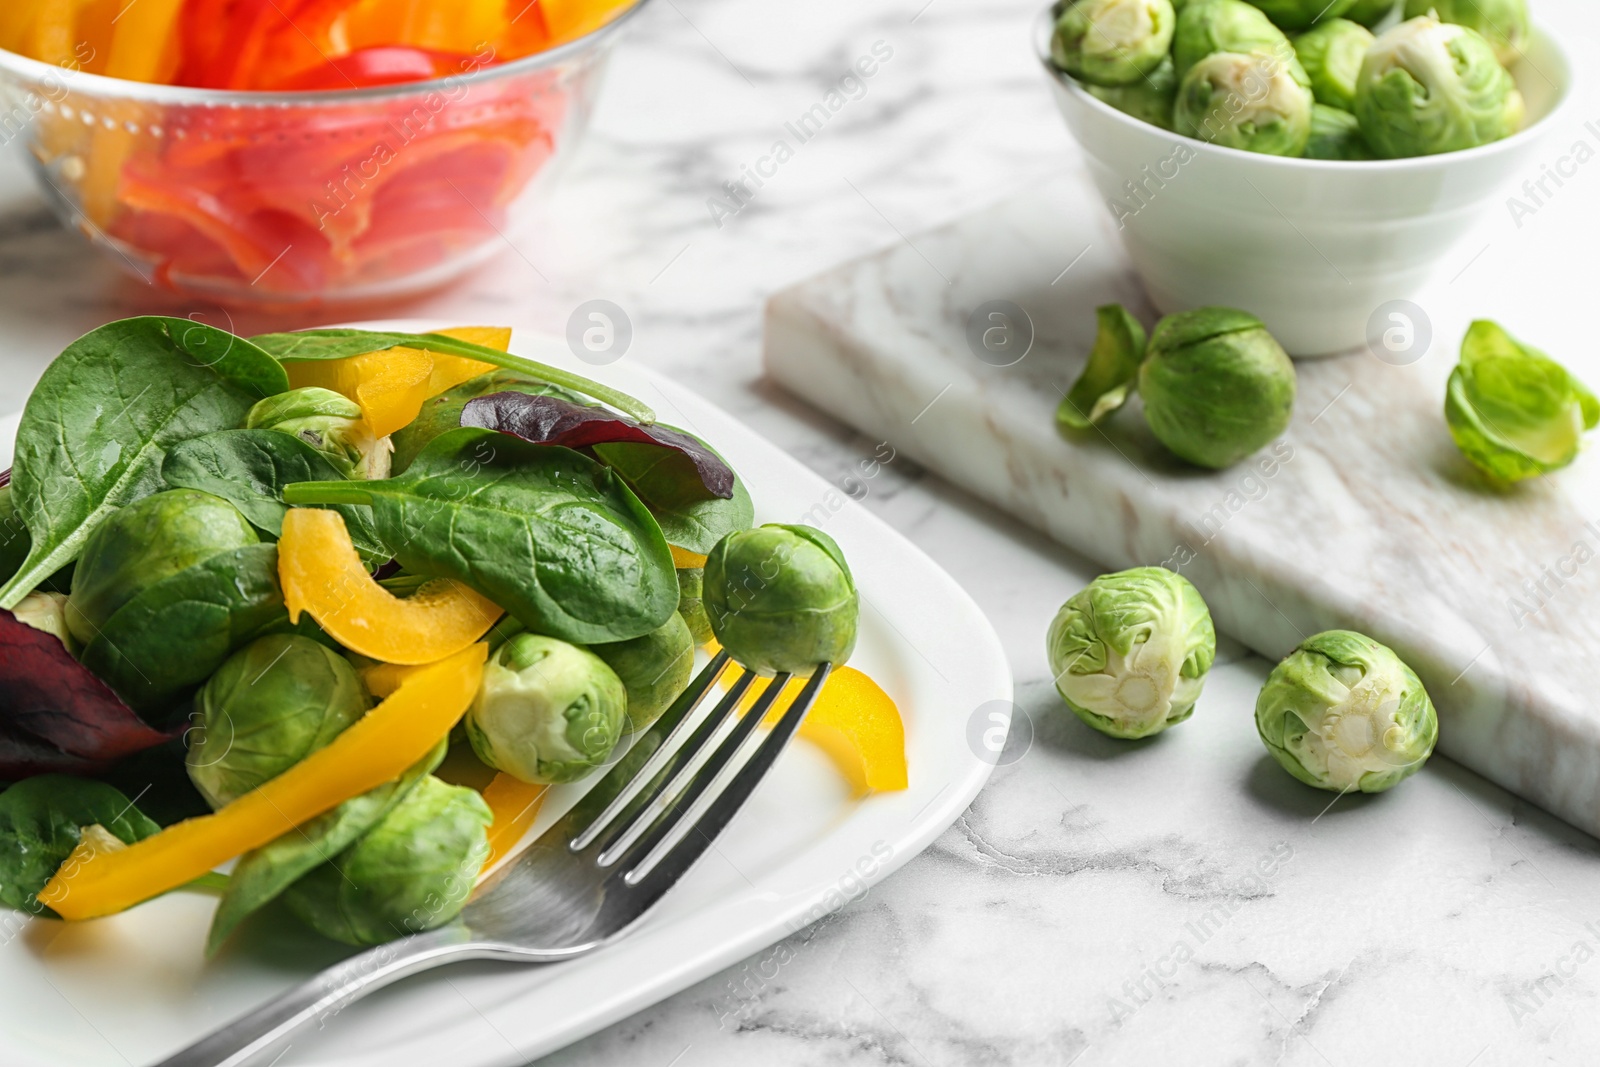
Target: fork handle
321 998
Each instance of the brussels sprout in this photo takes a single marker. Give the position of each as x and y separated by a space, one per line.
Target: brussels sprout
1428 87
1216 385
1297 15
1331 55
149 540
691 605
1253 102
1149 100
1130 651
1210 26
654 669
1371 12
329 422
1514 411
269 706
1335 134
547 711
1112 42
1503 23
1110 371
411 872
1345 713
781 598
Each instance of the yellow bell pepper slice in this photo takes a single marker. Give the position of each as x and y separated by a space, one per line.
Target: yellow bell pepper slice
450 371
853 721
376 749
382 679
392 385
515 805
16 16
322 574
683 559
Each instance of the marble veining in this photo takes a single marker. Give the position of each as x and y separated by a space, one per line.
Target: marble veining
1447 923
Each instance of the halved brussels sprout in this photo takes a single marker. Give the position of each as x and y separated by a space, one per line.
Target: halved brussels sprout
411 872
1428 87
1503 23
654 669
781 598
1252 102
1110 371
1335 134
329 422
1370 12
1130 651
547 711
1345 713
1216 385
1512 410
1297 15
141 544
1149 100
1207 27
1331 55
1112 42
269 706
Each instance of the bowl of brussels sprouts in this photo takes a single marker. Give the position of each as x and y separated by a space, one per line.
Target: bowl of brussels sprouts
1312 160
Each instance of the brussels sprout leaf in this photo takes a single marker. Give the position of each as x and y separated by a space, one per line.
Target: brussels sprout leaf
41 822
1512 410
47 695
1109 375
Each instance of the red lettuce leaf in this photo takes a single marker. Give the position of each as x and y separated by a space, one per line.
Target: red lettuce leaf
54 714
549 420
5 478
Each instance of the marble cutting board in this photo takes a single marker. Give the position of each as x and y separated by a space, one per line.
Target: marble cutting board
1363 516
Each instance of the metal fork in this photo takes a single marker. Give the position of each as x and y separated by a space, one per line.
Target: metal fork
586 880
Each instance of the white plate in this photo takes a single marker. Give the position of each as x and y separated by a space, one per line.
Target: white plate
132 988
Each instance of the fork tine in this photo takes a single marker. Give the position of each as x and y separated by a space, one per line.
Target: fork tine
655 754
693 779
665 772
668 854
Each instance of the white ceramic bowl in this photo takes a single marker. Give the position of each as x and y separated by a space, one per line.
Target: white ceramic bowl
1313 247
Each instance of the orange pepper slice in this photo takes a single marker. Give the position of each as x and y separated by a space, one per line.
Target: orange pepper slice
515 805
376 749
854 722
322 574
392 385
570 19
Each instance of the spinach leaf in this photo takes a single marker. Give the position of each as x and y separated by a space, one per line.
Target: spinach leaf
40 824
176 632
15 544
674 496
306 345
441 414
547 533
97 427
249 468
263 873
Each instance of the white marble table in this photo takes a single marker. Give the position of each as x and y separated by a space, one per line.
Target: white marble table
1177 901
